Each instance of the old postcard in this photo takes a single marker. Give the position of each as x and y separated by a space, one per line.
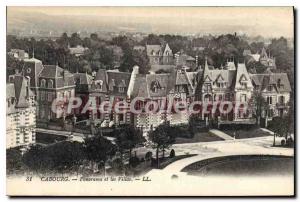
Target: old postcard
150 101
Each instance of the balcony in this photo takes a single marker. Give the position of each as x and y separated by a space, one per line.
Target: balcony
281 105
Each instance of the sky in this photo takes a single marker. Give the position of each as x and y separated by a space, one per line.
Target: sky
265 21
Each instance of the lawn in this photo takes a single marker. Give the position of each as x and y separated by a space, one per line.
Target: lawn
48 138
246 133
198 137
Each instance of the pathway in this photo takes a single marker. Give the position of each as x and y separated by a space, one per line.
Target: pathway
221 134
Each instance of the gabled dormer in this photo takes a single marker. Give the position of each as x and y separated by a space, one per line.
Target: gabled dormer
243 80
207 79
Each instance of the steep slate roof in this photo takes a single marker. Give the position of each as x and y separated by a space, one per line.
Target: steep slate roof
118 79
165 83
83 78
37 67
168 68
18 89
158 50
63 78
162 80
228 75
83 82
100 76
154 48
264 80
242 73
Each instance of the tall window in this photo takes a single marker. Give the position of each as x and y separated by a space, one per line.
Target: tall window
243 98
43 83
269 100
100 85
50 83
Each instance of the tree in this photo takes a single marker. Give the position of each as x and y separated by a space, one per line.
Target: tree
130 59
280 126
60 157
98 149
162 137
14 161
128 138
75 40
260 105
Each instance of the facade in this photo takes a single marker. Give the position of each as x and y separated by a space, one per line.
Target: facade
78 50
209 85
275 89
18 54
161 88
110 86
53 82
267 60
159 55
229 83
20 112
48 82
83 90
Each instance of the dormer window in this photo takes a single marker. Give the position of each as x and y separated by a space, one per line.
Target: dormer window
43 83
99 84
270 88
279 83
121 89
155 85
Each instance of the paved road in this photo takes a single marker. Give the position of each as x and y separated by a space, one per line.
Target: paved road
206 150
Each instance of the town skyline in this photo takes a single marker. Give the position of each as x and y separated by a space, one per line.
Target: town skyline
142 19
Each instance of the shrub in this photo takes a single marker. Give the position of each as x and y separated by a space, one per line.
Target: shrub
172 153
134 161
148 156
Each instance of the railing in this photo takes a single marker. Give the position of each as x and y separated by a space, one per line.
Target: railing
281 105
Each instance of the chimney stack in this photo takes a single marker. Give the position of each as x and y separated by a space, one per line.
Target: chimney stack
27 80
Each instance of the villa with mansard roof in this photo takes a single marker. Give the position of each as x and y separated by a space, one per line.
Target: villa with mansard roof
20 112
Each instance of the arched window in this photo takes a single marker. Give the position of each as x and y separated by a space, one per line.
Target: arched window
50 83
43 83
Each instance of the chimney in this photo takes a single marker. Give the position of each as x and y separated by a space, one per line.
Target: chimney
134 73
27 80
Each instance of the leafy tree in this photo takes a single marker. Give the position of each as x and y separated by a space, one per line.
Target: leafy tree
59 157
98 149
280 126
75 40
130 59
128 138
14 161
260 105
163 137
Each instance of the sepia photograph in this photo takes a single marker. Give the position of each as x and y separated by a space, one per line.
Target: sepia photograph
150 101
